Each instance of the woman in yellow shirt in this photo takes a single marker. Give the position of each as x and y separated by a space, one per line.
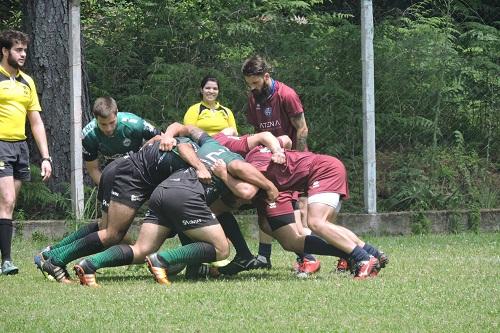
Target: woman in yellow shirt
209 114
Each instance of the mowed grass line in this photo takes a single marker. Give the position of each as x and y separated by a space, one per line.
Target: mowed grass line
435 283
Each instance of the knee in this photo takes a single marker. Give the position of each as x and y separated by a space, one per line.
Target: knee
314 225
222 251
111 237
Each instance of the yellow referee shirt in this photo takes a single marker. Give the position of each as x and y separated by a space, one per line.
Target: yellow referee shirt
17 97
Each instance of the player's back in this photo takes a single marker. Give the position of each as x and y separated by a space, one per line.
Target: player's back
292 175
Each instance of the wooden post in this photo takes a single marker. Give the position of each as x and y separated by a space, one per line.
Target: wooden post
369 156
75 64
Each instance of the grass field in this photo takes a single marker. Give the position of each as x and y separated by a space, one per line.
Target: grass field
435 283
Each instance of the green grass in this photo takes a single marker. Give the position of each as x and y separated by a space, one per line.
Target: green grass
435 283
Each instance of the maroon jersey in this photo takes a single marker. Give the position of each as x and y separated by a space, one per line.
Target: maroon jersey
303 171
274 115
236 144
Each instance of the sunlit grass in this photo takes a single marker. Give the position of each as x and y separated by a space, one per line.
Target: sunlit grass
446 283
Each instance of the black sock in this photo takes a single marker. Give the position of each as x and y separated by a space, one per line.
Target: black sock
371 250
358 254
265 250
6 230
316 245
233 232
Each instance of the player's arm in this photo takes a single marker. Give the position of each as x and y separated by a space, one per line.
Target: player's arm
38 131
187 153
248 173
286 142
270 141
299 122
94 170
177 129
238 187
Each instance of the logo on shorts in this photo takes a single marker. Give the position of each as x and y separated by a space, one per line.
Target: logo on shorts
134 197
2 165
271 205
105 203
127 142
191 222
315 184
116 194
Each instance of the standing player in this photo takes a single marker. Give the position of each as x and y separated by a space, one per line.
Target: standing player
18 101
274 107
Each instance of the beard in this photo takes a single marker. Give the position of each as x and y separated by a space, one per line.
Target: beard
12 62
261 94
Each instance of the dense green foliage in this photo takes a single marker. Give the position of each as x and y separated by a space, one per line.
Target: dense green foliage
436 78
421 290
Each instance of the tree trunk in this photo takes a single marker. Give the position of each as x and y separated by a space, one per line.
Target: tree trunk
47 23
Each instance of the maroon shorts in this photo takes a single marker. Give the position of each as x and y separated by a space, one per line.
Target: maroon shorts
328 175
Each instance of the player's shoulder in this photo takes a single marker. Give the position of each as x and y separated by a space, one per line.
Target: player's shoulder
89 131
129 118
284 89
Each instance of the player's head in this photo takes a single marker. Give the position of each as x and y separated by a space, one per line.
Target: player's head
209 89
13 45
256 72
105 110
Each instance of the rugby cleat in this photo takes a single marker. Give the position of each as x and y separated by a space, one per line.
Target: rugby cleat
201 271
59 273
308 267
86 273
383 260
38 259
366 268
8 268
342 266
239 264
158 269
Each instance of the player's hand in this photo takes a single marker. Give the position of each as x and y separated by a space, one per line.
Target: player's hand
204 175
272 194
153 140
46 168
279 157
219 169
167 143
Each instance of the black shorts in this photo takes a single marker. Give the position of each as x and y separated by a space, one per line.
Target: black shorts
276 222
150 217
180 203
106 184
128 187
15 160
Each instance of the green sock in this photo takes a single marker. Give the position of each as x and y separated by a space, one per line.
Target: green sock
118 255
80 233
82 247
194 253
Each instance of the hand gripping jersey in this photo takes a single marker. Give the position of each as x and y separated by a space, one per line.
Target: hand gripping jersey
130 133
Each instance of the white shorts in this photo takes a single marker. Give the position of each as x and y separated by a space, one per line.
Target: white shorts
330 199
